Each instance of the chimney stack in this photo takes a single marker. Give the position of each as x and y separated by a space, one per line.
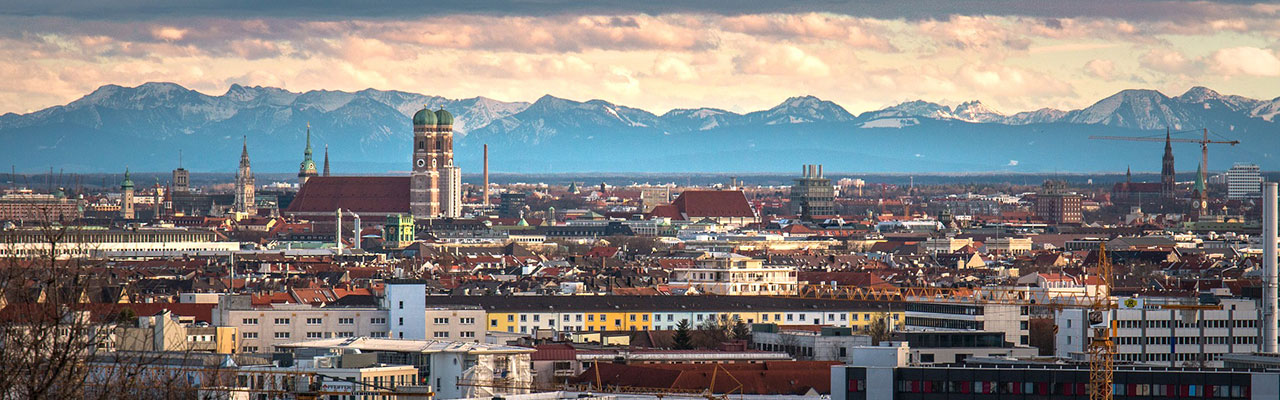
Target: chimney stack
1269 232
486 174
819 170
337 231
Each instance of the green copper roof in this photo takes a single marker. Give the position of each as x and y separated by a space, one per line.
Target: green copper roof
1199 180
443 117
128 183
424 117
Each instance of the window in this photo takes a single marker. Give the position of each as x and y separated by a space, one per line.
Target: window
591 317
401 321
493 322
566 318
440 334
248 335
644 318
601 317
535 317
282 335
314 335
633 317
249 349
511 318
790 317
282 321
346 321
467 320
523 318
346 334
249 321
440 321
577 317
402 305
377 334
377 320
314 321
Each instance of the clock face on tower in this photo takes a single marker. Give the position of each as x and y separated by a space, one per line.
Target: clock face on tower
421 162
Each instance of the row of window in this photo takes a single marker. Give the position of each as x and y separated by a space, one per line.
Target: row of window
314 321
445 321
445 335
309 335
1212 323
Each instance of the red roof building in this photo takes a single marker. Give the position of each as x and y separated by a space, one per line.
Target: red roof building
723 206
372 197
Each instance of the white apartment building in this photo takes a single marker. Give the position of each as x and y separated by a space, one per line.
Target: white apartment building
735 274
944 245
411 318
117 243
1014 321
1244 181
1149 335
262 328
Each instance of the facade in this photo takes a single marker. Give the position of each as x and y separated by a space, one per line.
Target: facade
451 192
399 231
735 275
413 319
1244 181
181 180
432 157
1013 321
307 169
812 194
726 207
131 243
331 374
126 198
570 314
651 197
1164 337
1008 245
945 245
245 184
827 344
511 205
1055 205
25 206
1044 382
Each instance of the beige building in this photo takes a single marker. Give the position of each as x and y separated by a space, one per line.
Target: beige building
735 274
164 332
262 328
1008 245
944 245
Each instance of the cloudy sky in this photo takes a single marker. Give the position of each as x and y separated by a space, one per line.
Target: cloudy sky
654 54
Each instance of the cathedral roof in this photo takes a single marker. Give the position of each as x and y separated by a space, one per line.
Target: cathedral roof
360 194
424 117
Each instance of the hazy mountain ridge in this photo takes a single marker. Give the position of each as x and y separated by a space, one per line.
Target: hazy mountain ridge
145 126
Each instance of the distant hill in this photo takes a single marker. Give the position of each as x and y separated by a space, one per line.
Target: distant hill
144 127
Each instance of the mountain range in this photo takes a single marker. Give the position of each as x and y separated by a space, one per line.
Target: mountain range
367 131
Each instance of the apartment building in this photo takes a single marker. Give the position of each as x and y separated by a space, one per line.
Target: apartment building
1147 334
735 275
526 314
1014 321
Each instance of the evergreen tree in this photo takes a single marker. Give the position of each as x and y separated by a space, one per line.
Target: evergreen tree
740 330
682 340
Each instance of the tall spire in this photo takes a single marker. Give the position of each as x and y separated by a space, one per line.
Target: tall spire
326 160
1128 174
307 152
1167 184
244 153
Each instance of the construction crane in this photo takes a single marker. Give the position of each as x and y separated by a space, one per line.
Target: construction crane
1204 146
1101 347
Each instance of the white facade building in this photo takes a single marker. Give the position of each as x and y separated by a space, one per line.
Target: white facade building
1162 337
1244 181
734 274
1014 321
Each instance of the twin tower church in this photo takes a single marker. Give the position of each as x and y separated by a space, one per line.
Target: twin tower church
432 190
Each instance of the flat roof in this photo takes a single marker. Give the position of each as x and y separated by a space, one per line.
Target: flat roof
407 346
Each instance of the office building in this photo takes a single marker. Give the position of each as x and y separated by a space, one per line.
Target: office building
1244 181
812 194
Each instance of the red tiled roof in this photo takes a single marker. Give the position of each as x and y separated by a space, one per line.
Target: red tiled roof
666 211
713 203
371 194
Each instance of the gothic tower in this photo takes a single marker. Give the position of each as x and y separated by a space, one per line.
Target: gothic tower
326 160
435 184
126 200
244 185
181 177
308 167
1166 170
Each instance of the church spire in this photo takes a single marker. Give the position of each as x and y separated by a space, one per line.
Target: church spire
244 153
326 160
307 153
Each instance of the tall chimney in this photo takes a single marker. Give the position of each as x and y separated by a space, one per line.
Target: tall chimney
1269 263
819 170
804 171
486 174
337 230
355 239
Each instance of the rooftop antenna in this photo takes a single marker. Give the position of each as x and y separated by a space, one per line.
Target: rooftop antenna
179 158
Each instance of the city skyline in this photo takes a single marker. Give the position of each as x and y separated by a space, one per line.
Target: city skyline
657 55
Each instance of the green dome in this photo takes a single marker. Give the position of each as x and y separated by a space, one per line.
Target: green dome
443 117
424 117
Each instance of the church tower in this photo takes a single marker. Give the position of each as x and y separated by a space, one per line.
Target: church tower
435 184
126 199
1166 169
244 185
308 167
